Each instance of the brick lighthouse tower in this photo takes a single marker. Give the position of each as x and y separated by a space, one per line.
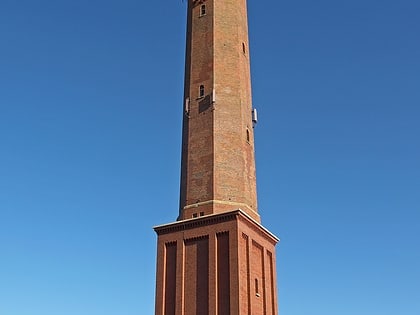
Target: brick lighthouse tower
217 258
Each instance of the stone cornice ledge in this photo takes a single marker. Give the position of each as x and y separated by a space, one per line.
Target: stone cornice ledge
212 219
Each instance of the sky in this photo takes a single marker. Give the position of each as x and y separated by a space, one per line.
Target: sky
90 138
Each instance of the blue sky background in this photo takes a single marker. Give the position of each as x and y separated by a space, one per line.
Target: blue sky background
90 133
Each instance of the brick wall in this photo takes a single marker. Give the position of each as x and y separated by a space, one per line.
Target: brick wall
218 164
224 265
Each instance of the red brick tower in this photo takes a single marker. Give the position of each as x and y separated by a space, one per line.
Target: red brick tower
217 259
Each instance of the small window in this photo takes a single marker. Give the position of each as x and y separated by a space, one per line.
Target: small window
203 10
243 48
201 91
201 214
247 135
257 289
195 215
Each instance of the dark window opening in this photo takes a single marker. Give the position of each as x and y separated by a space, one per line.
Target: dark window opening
195 215
203 10
243 48
247 135
201 214
201 91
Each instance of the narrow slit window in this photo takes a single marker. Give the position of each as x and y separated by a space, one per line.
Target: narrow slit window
243 48
203 10
247 135
201 91
257 289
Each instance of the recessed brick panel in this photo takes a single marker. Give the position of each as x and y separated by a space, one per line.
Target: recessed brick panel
197 276
170 278
223 278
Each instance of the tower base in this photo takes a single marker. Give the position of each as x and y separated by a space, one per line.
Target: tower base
221 264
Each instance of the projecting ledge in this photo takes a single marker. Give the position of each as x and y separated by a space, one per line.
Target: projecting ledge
214 219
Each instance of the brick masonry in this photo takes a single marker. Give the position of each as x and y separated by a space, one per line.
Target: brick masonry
218 164
218 264
217 259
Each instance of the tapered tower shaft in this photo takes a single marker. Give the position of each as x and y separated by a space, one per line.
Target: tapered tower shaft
218 164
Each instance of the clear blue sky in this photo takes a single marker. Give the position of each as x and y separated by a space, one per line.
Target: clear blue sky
90 132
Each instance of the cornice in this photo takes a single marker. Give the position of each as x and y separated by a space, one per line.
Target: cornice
215 219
